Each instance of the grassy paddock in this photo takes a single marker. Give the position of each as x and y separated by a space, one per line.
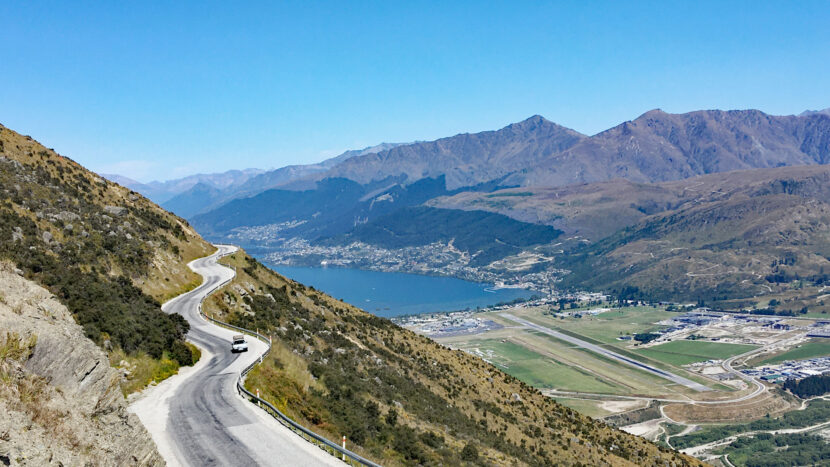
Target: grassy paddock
813 348
688 351
608 326
536 369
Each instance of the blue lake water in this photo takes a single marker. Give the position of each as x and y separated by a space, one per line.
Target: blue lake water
390 294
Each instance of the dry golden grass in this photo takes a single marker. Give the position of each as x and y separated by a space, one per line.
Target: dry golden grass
143 370
768 403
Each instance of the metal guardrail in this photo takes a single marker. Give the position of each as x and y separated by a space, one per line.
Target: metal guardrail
320 441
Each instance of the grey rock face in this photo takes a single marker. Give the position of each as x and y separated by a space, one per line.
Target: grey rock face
116 211
77 416
67 216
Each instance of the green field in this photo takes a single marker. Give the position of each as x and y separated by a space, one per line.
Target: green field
814 348
684 352
608 326
536 369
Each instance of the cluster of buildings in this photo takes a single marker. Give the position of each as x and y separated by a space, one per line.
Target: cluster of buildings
796 369
263 235
820 329
447 324
434 259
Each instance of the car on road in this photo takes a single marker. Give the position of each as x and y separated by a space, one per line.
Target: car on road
238 344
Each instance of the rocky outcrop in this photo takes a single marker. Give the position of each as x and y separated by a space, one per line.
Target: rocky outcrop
60 399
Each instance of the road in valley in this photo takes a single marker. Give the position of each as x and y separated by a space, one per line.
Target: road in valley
197 418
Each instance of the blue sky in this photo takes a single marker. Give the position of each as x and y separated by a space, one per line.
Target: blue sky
161 90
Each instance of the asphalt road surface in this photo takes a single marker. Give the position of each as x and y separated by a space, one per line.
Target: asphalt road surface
197 418
609 353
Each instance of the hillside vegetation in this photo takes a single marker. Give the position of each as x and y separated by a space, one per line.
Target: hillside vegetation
106 253
401 398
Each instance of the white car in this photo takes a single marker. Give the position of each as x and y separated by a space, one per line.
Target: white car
239 344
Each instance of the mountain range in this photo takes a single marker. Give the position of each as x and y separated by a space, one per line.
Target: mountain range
161 192
657 146
194 194
536 172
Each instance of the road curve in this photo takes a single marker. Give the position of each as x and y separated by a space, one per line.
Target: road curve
197 418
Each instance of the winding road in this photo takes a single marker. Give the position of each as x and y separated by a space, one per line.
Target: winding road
197 418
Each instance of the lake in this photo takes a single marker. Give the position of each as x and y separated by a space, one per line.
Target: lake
391 294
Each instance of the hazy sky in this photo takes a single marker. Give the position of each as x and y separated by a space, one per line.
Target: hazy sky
157 91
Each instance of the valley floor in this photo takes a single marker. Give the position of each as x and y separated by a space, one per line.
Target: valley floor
583 358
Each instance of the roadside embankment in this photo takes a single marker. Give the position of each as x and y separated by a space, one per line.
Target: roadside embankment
60 399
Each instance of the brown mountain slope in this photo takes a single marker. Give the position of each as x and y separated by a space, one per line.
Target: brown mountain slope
466 159
721 236
55 192
659 146
742 247
401 398
596 210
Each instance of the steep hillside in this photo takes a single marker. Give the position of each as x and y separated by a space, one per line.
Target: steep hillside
401 398
59 398
106 253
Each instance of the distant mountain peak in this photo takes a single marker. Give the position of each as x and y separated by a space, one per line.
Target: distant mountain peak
653 113
538 122
535 119
808 113
532 122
